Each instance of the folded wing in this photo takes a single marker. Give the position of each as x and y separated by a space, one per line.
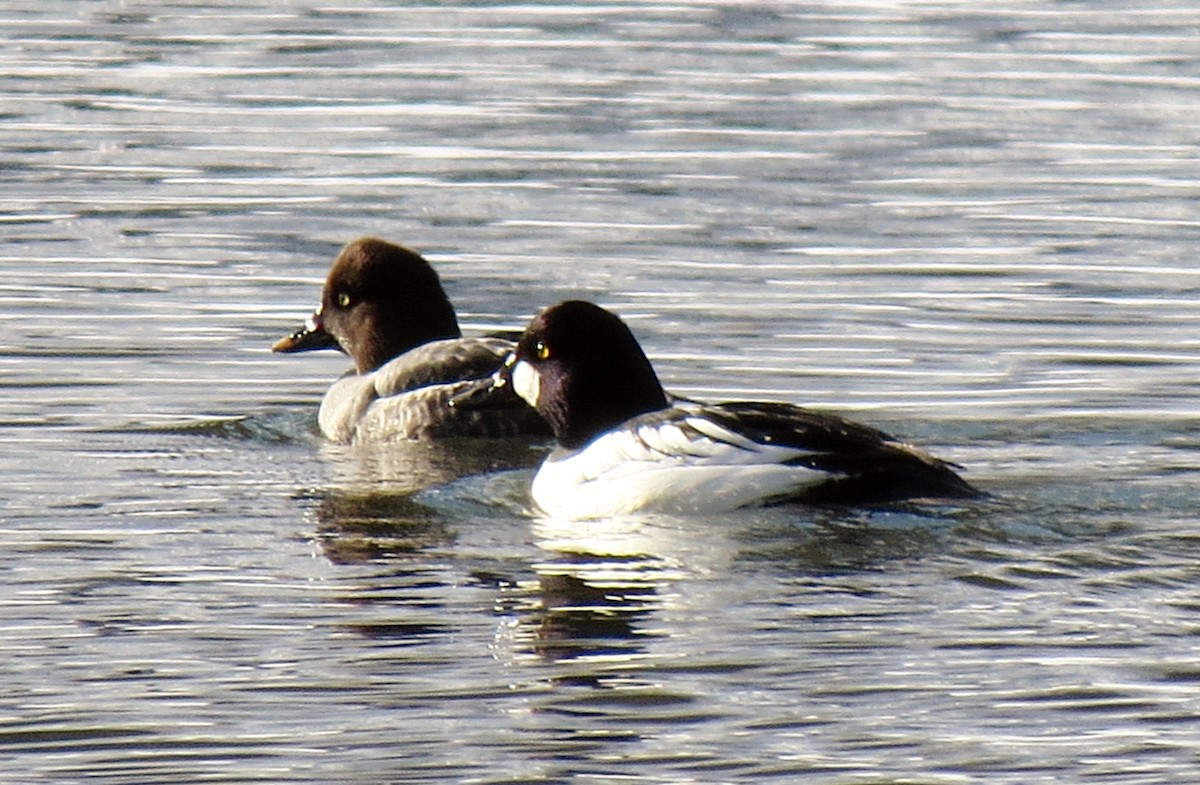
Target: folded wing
860 463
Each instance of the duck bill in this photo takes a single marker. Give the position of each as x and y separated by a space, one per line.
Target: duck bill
308 338
482 393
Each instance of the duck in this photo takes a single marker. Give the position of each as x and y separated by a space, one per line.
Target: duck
383 305
624 445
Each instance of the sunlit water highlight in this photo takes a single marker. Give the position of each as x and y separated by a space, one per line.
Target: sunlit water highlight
973 227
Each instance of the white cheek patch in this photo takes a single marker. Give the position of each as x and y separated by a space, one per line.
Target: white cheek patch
526 382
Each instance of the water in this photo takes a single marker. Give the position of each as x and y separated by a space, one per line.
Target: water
971 226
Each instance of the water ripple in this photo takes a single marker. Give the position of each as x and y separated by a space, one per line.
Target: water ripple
971 227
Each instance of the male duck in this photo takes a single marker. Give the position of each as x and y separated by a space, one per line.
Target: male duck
383 305
624 445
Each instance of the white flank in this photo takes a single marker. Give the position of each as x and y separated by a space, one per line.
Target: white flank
701 468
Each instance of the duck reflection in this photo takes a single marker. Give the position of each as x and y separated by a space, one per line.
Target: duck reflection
406 467
370 510
826 541
355 528
591 602
584 600
571 618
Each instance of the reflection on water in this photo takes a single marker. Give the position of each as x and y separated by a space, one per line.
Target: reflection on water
563 616
374 507
411 466
598 585
973 227
359 528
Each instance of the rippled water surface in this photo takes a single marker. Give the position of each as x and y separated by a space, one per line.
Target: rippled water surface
972 225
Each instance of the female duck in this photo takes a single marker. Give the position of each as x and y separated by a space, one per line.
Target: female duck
624 445
384 306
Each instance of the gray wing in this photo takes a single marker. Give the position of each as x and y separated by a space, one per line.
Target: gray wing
441 362
413 394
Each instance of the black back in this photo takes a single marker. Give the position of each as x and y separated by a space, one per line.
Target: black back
865 464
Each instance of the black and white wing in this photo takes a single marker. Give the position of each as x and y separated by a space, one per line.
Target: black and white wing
864 463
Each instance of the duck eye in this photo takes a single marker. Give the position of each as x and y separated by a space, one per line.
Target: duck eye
343 300
542 351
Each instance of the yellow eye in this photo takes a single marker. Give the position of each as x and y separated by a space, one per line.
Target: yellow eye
343 300
542 350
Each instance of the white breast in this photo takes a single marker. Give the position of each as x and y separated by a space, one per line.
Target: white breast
344 405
